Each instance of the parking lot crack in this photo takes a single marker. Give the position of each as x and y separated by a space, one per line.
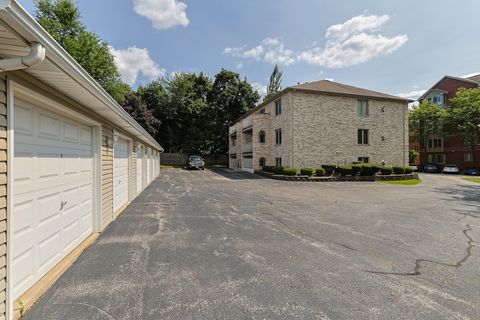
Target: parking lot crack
420 262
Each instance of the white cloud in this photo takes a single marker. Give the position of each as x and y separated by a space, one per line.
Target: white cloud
164 14
271 50
470 75
347 44
134 61
414 95
261 88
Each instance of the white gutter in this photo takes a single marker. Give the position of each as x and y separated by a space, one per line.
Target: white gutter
36 56
15 15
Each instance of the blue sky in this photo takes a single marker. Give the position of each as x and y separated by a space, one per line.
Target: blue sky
390 46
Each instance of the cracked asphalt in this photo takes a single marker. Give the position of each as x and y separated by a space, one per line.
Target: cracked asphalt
224 245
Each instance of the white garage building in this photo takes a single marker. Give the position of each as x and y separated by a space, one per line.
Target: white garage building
71 158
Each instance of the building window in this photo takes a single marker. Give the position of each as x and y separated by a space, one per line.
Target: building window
435 143
278 136
436 158
278 107
234 141
362 108
262 162
262 111
278 162
362 136
364 159
261 136
468 157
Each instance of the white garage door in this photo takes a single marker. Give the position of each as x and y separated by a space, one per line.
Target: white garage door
53 180
120 174
139 169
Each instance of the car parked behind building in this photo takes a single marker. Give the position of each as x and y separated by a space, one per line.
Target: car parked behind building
451 168
472 171
431 168
195 162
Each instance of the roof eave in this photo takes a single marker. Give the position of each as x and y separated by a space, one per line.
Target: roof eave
12 12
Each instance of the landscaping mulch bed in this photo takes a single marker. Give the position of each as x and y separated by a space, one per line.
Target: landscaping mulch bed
337 178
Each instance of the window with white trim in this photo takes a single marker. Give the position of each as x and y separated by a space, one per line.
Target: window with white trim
468 157
363 136
362 108
278 107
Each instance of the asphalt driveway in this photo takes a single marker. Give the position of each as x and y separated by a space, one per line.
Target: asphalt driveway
222 245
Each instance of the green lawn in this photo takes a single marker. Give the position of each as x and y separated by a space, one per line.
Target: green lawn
477 180
404 182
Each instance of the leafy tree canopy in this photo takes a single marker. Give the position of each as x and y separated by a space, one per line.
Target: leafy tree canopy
61 18
425 121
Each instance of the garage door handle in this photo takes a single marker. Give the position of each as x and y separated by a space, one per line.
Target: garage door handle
63 204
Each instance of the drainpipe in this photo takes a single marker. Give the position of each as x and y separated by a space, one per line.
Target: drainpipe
36 56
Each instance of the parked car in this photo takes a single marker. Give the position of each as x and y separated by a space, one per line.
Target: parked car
431 168
195 162
451 168
414 167
472 171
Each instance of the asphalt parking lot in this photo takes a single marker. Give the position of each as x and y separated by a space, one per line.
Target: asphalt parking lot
223 245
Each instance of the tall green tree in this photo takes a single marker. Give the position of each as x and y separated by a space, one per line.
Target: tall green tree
140 113
426 120
275 84
463 117
230 98
61 18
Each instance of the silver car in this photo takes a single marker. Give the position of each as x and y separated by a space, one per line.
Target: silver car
451 168
195 162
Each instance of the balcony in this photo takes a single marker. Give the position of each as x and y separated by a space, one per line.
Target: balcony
247 147
247 124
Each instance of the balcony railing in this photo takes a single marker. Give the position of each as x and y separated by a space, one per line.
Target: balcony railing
247 147
247 123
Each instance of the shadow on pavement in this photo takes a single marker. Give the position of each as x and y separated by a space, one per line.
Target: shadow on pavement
235 175
469 195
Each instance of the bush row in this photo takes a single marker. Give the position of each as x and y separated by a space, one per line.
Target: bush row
364 169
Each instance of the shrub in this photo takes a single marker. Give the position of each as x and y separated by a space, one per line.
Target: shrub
329 168
344 170
399 170
376 169
320 172
290 171
268 168
367 170
307 171
277 170
356 169
386 170
408 170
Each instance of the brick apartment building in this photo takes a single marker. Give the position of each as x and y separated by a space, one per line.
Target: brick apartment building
320 123
451 150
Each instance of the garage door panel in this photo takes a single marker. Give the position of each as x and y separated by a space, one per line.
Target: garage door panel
120 173
52 166
49 127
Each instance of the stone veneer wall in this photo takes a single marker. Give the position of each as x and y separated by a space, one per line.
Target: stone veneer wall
325 131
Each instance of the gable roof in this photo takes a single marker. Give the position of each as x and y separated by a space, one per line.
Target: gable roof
475 78
327 87
467 80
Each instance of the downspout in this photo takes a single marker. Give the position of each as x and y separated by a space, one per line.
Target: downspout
36 56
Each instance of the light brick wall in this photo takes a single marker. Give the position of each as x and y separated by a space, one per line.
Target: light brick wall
3 195
325 131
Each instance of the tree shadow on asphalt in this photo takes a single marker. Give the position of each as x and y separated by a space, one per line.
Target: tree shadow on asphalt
235 175
468 195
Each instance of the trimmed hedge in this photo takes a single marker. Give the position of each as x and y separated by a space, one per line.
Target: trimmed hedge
320 172
386 170
376 169
345 170
307 171
290 171
398 170
329 168
268 168
277 170
408 170
356 169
